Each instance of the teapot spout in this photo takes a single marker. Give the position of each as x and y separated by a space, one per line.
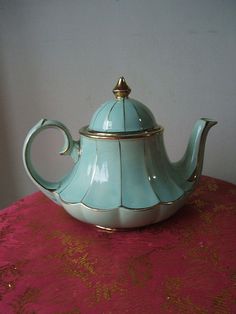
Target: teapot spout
190 166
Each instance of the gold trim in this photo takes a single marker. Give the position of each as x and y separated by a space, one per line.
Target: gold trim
169 203
106 228
121 90
120 135
118 229
200 156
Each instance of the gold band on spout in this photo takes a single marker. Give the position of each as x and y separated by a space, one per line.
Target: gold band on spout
120 135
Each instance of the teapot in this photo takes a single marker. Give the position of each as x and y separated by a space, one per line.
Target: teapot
122 176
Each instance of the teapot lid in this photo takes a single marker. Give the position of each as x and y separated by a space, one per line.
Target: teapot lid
122 114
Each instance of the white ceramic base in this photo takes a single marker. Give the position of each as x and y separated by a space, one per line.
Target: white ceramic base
123 217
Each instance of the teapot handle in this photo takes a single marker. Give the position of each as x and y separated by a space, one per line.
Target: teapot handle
71 148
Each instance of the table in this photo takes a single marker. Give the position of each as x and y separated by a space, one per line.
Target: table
51 263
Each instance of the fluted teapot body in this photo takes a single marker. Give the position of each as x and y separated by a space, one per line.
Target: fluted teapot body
122 176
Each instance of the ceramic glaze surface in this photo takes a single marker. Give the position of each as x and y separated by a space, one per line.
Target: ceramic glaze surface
121 173
122 115
122 176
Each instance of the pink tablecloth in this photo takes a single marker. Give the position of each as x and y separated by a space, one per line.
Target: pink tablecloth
52 263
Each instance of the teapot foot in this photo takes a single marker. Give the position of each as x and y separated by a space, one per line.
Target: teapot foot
107 228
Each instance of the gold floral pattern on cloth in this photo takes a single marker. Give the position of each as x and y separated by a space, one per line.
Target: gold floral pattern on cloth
51 263
177 301
9 274
30 295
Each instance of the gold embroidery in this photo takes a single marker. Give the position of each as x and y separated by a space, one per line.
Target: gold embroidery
199 203
185 233
30 295
212 186
223 208
209 216
36 227
77 262
177 303
72 245
221 301
204 253
208 184
75 310
197 193
106 291
140 269
9 275
80 267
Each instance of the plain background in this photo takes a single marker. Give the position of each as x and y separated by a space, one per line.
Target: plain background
61 59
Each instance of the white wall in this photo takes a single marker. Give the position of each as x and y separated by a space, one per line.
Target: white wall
61 59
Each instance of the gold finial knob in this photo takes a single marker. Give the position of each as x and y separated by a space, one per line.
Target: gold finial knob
121 90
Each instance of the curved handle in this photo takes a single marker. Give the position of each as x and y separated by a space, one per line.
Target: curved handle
70 148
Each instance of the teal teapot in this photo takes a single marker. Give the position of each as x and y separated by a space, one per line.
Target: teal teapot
122 176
